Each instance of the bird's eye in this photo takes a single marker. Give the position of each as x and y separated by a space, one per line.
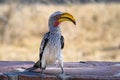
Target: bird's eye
57 16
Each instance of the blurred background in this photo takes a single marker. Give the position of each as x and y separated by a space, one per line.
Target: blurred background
96 37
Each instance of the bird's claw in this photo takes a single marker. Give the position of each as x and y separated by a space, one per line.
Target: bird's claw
42 76
62 76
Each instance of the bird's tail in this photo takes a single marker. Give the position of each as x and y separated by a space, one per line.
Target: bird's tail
37 64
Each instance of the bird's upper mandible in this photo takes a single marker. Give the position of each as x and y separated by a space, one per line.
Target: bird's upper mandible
58 17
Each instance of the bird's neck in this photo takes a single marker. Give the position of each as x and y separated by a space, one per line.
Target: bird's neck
55 30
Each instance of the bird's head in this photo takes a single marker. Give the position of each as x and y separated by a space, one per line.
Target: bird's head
58 17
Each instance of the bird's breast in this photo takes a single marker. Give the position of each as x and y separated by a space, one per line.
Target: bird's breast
54 43
53 49
54 40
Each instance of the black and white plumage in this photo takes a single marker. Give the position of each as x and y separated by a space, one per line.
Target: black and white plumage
46 42
53 41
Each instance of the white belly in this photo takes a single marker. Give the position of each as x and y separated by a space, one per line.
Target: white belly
52 53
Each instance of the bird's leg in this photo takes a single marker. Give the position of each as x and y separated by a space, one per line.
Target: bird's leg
60 63
61 76
62 70
42 73
61 66
42 66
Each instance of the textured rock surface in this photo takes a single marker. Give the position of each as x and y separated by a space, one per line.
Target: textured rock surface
57 1
15 70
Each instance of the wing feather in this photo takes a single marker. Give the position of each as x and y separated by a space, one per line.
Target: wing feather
62 42
42 47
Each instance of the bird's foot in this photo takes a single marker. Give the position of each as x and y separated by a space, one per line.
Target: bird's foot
42 76
62 76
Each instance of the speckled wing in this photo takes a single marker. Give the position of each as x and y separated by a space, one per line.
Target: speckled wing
42 47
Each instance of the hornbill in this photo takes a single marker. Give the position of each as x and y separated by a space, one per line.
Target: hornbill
53 41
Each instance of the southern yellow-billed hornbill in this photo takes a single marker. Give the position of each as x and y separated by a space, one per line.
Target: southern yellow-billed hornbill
53 41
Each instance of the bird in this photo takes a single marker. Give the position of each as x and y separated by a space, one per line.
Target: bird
53 42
